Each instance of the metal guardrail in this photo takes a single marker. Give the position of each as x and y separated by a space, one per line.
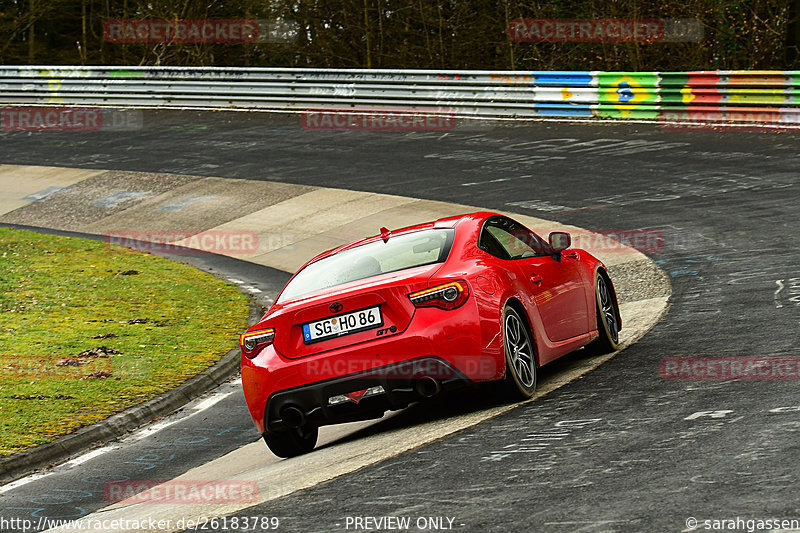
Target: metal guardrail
766 96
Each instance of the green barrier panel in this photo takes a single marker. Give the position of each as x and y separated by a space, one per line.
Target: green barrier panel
125 73
673 79
625 90
628 96
681 96
627 79
703 96
627 111
758 96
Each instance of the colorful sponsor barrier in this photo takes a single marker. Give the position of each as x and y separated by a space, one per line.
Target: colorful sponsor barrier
760 97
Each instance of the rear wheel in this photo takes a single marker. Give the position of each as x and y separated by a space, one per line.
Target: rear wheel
607 319
293 442
520 381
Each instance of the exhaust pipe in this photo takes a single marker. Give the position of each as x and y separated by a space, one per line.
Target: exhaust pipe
427 387
293 417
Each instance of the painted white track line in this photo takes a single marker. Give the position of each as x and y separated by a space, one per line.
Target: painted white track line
191 409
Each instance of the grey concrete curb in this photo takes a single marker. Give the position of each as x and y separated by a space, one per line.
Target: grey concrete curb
58 451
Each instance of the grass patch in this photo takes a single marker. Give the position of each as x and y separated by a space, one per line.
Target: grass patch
88 330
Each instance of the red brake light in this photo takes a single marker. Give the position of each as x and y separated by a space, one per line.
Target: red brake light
447 296
252 341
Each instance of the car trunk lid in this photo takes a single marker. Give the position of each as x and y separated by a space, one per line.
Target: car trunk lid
386 292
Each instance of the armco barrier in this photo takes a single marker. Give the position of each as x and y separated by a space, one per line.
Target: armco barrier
748 96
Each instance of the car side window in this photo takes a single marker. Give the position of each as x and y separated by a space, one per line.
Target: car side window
489 243
506 239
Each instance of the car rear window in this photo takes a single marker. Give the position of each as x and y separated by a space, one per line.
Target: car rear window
372 259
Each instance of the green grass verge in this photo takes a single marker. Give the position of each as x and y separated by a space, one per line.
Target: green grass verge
60 297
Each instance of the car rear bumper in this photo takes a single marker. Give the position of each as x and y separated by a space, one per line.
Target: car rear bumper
448 346
390 387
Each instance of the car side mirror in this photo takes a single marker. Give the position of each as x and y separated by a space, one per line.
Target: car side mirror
559 241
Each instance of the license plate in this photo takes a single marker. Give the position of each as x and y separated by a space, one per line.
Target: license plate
345 324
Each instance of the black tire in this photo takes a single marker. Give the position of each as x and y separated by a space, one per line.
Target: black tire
293 442
607 318
521 367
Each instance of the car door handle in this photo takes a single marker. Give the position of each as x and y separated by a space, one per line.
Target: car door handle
571 254
536 278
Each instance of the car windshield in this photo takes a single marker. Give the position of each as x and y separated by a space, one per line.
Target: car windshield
378 257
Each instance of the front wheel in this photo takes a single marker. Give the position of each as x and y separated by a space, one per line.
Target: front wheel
293 442
520 381
607 319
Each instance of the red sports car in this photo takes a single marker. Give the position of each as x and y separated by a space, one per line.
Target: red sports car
380 323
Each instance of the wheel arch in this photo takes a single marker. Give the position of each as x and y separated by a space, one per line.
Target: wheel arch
601 271
517 305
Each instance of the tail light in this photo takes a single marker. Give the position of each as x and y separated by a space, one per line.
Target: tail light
252 341
447 296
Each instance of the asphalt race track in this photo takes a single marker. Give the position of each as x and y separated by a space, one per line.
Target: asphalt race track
621 449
